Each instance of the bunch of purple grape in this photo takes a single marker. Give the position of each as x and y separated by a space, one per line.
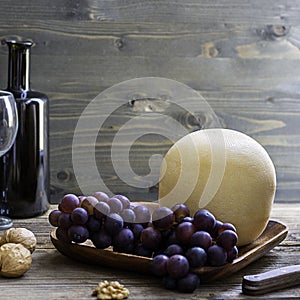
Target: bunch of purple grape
176 241
191 242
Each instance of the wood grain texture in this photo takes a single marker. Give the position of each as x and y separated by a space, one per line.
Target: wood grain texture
53 276
242 56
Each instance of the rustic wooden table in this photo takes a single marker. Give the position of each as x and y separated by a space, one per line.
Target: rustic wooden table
53 276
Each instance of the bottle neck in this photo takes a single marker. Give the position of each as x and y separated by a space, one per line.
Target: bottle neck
18 65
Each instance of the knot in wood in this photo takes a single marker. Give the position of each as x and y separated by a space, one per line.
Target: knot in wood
119 43
272 32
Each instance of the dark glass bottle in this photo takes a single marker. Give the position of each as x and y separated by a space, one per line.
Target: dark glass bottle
24 170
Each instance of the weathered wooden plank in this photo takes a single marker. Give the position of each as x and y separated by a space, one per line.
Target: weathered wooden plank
253 40
54 276
227 74
151 11
243 58
276 130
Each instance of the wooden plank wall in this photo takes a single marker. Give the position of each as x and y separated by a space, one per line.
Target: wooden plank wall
242 56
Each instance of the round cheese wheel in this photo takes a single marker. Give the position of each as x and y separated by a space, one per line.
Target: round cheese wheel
224 171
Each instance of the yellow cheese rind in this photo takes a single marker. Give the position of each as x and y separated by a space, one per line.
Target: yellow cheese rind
224 171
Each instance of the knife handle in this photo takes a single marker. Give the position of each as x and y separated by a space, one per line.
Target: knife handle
271 281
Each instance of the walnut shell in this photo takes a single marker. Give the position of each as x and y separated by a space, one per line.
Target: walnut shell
110 290
15 260
19 236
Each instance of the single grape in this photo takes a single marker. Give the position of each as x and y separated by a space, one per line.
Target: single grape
142 214
115 205
62 235
53 217
188 284
184 232
79 216
177 266
227 239
169 282
101 210
196 256
232 254
64 220
173 249
101 196
78 233
113 223
101 239
128 216
123 241
180 211
140 250
151 238
216 255
204 220
93 224
125 201
226 226
68 203
158 265
137 230
163 218
201 239
89 203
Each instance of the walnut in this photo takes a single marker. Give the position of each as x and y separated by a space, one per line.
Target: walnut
110 290
15 260
19 236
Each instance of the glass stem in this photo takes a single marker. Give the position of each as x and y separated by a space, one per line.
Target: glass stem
4 210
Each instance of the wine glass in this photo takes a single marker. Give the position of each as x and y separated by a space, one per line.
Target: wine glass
8 132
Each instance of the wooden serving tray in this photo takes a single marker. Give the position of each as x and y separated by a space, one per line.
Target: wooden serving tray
274 233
